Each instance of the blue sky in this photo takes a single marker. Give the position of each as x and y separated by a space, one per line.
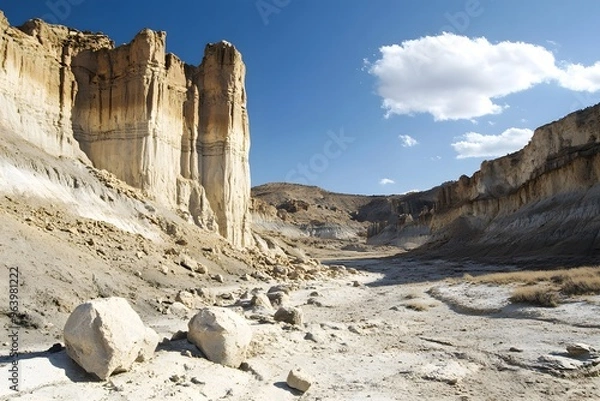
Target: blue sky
370 96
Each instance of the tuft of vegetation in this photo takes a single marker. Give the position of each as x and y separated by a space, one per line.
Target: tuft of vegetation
581 286
538 295
545 287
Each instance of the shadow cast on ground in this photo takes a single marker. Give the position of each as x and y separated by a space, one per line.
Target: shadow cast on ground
59 360
284 386
414 268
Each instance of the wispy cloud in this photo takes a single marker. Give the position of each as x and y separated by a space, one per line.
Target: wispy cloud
473 144
407 141
454 77
386 181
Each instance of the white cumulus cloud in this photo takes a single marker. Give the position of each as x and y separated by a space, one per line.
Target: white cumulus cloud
473 144
455 77
576 77
407 141
386 181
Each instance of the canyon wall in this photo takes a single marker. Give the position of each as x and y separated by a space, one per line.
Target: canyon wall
176 131
37 87
541 198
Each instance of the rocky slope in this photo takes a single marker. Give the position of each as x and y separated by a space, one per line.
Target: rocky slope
178 132
301 211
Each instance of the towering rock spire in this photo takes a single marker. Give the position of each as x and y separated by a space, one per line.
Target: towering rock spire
224 140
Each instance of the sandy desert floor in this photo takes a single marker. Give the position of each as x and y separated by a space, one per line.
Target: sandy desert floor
400 329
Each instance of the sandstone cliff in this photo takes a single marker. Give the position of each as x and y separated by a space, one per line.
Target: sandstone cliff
541 199
176 131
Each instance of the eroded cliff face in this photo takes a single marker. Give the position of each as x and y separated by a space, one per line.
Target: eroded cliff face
544 197
176 131
37 87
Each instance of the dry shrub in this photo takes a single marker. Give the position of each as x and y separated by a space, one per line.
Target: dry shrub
581 286
538 295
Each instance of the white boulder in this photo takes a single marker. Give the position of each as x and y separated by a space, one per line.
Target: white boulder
106 336
221 334
299 380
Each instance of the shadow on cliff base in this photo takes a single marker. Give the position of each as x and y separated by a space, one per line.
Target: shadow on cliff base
465 250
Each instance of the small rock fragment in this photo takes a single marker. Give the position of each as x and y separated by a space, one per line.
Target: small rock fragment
186 298
289 314
188 263
299 380
278 298
261 300
201 269
279 288
579 349
178 309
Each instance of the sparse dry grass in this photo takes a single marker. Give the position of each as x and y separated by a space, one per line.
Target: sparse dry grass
581 286
545 287
536 276
539 295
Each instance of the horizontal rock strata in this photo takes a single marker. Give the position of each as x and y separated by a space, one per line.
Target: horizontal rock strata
178 132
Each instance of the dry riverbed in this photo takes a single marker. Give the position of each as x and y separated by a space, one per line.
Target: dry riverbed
398 330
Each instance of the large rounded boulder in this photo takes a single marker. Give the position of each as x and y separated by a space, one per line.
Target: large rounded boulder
106 336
